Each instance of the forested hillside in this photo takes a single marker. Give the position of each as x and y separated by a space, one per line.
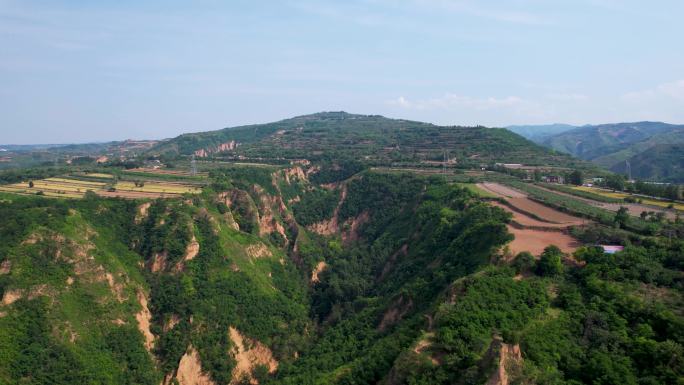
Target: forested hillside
610 145
281 275
372 139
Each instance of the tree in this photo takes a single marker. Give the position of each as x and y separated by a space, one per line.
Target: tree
576 178
672 192
523 261
621 217
550 262
615 181
537 176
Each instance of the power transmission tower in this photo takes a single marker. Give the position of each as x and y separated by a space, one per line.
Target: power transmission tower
445 160
628 166
193 166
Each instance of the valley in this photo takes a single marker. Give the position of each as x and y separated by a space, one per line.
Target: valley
363 192
276 268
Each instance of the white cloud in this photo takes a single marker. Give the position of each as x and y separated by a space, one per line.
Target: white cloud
673 90
497 13
567 97
451 100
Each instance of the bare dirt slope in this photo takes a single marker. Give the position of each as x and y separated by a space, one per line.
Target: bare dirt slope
501 190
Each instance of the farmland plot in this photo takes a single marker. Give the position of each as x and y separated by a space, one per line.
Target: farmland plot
534 225
65 187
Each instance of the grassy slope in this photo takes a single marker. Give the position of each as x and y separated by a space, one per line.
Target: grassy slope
74 320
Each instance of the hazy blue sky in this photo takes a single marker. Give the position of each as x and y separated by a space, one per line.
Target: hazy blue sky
74 71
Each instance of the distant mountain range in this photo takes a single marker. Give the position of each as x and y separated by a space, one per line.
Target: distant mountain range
652 149
540 132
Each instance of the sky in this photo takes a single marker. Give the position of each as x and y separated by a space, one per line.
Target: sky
82 71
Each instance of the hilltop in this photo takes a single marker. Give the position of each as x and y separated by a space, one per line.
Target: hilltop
374 139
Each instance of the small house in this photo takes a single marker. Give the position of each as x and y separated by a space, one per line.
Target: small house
611 249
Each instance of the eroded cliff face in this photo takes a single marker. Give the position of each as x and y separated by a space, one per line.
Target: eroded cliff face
211 150
249 354
508 364
190 371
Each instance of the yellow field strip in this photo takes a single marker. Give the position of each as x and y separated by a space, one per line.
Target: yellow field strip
619 195
72 188
73 181
99 175
21 191
38 185
157 188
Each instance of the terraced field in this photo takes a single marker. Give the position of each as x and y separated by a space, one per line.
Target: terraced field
534 225
165 172
634 209
620 195
54 187
73 187
99 175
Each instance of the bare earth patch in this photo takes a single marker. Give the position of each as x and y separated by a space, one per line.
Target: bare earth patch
141 212
11 296
190 369
5 266
510 360
532 234
320 266
396 312
501 190
258 250
544 212
535 241
144 318
330 226
192 249
158 262
249 356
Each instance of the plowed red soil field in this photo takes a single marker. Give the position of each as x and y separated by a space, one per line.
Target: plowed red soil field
535 226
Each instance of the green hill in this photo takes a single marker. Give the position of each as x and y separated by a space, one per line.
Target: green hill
372 139
663 162
610 145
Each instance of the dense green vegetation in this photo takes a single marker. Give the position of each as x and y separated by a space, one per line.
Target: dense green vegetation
315 206
413 289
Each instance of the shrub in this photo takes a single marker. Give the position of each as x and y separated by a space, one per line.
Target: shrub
550 264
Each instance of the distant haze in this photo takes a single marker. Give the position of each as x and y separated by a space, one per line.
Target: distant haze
76 71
